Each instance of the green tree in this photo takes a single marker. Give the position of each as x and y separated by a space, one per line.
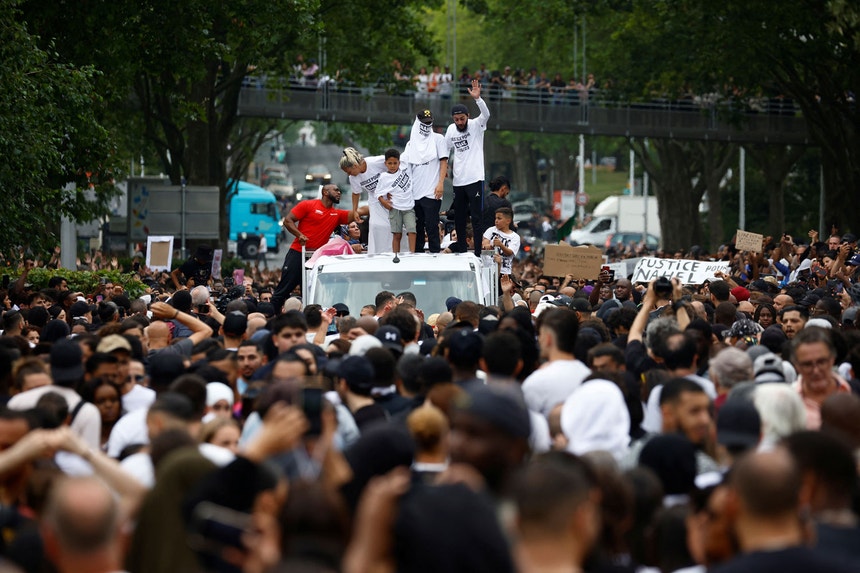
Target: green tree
49 137
805 52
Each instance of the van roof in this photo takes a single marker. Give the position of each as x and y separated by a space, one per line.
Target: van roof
408 262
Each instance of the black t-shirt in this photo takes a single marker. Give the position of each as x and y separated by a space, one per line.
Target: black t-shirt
370 415
791 560
200 272
491 203
841 543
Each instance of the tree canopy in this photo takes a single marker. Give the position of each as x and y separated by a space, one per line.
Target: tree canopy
50 136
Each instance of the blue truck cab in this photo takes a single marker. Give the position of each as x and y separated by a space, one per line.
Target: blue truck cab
254 211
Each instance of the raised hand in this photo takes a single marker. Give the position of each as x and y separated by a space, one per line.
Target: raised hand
475 90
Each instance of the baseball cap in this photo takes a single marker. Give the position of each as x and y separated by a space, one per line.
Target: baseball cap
113 342
389 336
451 303
203 252
235 323
768 368
581 304
459 108
849 238
342 309
738 424
740 293
425 116
854 261
66 361
358 373
464 344
79 308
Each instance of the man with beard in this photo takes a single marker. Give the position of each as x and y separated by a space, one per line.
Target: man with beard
466 137
318 219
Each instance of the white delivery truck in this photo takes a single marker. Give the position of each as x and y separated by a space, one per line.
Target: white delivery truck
619 214
355 280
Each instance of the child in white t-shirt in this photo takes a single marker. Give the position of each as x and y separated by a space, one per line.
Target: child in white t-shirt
395 193
503 240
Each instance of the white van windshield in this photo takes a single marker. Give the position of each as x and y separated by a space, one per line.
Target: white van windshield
431 288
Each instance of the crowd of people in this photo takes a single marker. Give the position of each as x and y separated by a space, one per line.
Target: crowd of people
593 425
523 85
585 423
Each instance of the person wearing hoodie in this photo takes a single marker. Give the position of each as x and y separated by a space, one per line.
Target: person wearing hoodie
427 155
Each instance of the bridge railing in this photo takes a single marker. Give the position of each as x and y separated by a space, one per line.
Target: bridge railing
537 112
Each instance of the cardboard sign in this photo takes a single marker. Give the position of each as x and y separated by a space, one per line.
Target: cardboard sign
159 252
746 241
687 271
581 262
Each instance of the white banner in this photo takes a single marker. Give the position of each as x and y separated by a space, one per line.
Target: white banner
687 271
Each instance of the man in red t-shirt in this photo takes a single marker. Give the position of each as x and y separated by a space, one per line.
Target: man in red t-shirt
318 219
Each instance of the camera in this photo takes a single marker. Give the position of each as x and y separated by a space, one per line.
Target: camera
663 287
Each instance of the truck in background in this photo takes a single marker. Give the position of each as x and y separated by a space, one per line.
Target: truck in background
355 280
618 214
253 211
154 207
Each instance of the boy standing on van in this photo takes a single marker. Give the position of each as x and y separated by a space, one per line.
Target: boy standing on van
395 193
503 240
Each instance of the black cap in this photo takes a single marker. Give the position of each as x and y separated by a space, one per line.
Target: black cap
358 373
390 338
738 424
203 252
342 309
459 108
425 116
235 323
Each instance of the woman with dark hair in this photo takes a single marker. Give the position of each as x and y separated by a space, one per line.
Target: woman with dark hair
765 315
107 397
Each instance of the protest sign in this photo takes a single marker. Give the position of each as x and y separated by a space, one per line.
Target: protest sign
687 271
620 269
216 263
581 262
746 241
159 252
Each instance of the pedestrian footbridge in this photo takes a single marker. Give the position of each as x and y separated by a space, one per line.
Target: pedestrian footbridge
772 122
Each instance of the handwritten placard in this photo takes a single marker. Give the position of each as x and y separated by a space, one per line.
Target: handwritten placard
687 271
581 262
746 241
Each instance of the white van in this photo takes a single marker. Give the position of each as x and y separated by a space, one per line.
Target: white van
355 280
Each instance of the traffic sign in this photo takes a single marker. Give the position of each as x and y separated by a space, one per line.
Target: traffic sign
581 199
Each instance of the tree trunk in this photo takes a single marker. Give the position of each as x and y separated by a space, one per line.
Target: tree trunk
775 162
671 166
716 159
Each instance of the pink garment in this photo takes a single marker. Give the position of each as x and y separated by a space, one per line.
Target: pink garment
813 408
335 246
